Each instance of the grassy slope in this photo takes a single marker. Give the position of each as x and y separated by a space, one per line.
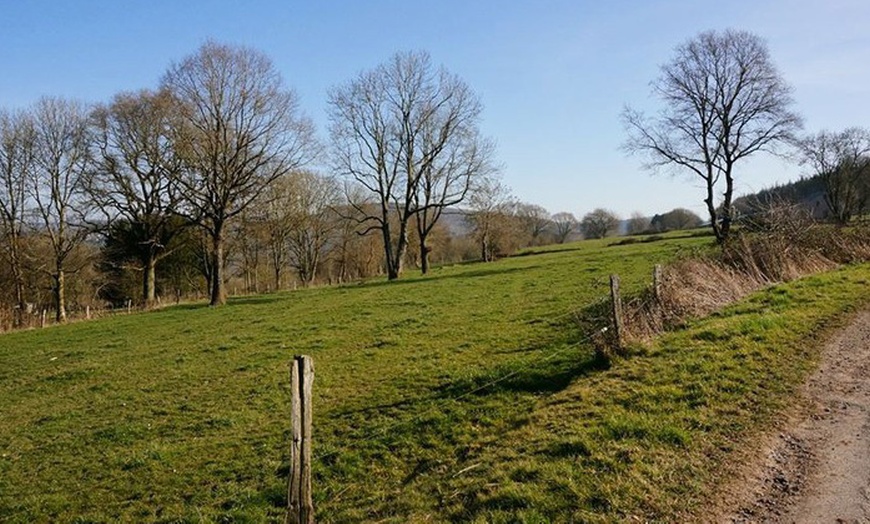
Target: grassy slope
180 414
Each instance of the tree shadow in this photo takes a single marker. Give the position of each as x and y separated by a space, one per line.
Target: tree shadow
542 376
253 300
535 252
483 272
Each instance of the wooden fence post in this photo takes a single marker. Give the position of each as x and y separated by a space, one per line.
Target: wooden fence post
300 506
616 303
657 282
87 312
42 321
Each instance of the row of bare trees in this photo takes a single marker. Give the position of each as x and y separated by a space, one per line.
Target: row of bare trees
197 152
209 170
45 161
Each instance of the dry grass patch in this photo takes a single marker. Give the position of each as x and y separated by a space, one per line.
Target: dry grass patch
772 251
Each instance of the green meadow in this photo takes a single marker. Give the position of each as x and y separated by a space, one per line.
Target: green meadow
468 395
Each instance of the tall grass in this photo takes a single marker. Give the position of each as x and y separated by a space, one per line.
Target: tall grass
778 246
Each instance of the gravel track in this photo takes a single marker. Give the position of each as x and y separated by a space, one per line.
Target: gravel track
817 469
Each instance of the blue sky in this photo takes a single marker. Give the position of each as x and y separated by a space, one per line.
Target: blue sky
553 75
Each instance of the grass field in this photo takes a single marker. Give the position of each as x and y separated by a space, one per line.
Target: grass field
470 395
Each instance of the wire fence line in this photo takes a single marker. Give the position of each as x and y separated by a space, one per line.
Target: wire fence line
519 367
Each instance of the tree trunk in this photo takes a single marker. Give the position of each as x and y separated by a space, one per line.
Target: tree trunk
423 235
314 259
711 210
60 296
485 249
18 275
392 270
218 297
424 256
148 281
725 230
401 250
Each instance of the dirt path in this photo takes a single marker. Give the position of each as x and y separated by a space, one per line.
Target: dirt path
817 469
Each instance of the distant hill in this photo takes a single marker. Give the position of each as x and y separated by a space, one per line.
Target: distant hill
457 221
807 191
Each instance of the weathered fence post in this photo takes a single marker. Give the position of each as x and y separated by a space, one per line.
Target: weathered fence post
129 305
300 507
657 282
616 303
87 312
42 321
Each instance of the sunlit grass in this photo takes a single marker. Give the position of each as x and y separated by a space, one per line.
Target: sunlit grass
467 395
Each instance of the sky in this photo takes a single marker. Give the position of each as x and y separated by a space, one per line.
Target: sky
553 75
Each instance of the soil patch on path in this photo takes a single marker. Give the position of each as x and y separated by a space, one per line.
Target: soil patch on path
817 468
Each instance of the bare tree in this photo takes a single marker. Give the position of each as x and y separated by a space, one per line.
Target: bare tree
407 134
59 183
637 223
300 218
239 130
565 224
314 222
136 175
247 244
535 221
278 215
842 161
599 223
724 100
491 205
17 150
352 253
446 180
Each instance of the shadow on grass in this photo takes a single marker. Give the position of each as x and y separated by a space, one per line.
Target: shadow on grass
534 252
186 306
404 403
549 376
253 300
231 301
483 272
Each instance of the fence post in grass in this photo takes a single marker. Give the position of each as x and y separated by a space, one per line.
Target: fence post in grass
616 305
42 320
300 507
87 312
657 282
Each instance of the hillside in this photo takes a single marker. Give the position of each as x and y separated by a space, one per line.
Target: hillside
468 395
809 192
